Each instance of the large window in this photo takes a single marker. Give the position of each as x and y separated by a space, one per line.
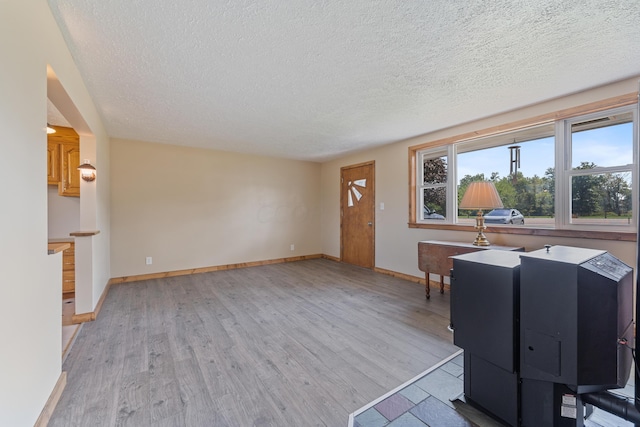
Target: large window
600 169
574 173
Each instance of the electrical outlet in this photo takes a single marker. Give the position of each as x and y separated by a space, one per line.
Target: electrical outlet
149 260
293 247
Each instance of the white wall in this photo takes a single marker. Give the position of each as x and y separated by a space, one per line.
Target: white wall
190 208
63 214
30 306
396 244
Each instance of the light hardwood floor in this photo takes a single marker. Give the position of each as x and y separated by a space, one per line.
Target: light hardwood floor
296 344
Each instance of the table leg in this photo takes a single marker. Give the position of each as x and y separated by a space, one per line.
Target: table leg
442 284
426 285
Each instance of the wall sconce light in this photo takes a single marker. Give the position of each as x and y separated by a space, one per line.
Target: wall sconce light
481 195
87 171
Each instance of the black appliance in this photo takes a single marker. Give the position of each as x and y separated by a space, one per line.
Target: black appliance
575 304
540 329
484 313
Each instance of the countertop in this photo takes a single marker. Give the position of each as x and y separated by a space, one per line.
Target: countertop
55 247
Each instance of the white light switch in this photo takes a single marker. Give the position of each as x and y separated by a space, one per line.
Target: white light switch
381 206
149 260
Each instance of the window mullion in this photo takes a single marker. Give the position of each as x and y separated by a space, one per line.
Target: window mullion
452 179
562 190
636 162
420 188
599 170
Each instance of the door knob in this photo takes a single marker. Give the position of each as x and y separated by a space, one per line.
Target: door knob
369 223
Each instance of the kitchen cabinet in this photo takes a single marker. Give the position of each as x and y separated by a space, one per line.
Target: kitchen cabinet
70 177
53 162
63 159
69 271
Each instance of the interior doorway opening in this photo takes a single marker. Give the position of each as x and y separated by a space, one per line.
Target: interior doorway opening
65 148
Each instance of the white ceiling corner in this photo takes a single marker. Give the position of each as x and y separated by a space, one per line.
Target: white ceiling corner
313 79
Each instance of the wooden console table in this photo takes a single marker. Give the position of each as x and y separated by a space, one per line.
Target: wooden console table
434 256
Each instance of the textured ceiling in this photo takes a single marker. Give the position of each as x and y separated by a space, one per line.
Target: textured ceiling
314 79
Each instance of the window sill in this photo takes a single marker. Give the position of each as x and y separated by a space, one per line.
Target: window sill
577 234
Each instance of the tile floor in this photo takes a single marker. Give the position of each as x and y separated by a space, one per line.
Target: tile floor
431 399
435 398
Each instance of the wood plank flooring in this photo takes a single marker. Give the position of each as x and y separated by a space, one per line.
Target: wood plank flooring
295 344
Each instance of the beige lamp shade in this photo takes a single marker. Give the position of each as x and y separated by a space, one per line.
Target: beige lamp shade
481 195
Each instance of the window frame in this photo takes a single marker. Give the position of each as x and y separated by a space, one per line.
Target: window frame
434 154
562 121
564 164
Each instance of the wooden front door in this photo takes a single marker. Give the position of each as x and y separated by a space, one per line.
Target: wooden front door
357 214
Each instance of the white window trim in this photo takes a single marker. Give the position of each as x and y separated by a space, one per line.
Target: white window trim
563 164
432 154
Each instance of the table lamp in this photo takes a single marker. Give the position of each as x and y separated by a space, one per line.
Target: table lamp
481 195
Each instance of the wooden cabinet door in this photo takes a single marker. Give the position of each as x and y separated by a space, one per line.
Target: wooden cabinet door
53 163
69 270
70 184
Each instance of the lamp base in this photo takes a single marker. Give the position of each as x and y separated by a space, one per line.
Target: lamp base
481 239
